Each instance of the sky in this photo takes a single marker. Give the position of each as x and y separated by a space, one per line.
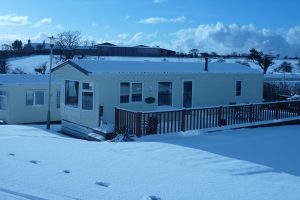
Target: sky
221 26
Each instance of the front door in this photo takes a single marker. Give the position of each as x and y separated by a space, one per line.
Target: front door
187 94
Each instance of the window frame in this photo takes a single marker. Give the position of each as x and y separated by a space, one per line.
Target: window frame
172 88
4 98
34 97
238 93
78 100
90 90
130 92
183 81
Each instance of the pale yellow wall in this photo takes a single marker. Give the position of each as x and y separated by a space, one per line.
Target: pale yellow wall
18 112
208 90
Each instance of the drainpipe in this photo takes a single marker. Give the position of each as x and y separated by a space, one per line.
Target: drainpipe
206 64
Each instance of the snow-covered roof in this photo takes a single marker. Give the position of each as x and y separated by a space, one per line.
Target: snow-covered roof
26 79
125 66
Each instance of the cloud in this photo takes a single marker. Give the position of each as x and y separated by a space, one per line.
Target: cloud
122 36
13 20
142 37
7 38
59 26
178 19
43 21
153 20
158 1
224 39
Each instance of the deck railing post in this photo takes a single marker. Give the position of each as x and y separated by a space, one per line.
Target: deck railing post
220 120
276 110
298 108
183 113
100 115
251 113
117 119
138 121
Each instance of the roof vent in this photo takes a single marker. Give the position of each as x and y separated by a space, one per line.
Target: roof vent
206 64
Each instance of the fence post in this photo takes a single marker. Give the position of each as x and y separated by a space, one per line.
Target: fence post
220 120
138 127
117 119
251 113
183 113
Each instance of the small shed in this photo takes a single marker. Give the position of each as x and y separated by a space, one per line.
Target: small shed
24 98
93 88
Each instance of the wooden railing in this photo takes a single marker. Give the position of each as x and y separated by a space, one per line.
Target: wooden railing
158 122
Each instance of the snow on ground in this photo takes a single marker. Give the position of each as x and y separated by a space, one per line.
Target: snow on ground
261 163
28 63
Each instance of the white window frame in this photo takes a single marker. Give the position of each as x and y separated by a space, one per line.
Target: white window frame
172 92
130 92
4 98
34 97
89 91
235 89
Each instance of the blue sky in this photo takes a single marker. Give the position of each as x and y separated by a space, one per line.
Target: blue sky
221 26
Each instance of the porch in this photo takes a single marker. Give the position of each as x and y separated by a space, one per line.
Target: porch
211 118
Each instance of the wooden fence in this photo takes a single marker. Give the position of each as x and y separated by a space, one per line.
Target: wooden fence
158 122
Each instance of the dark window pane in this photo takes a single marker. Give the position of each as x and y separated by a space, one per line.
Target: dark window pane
71 93
136 92
39 98
87 101
238 89
164 93
187 94
124 92
29 98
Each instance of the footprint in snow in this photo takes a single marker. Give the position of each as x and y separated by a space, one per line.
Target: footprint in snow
152 197
34 161
67 171
103 184
11 154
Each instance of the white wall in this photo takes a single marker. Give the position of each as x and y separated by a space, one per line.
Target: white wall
17 110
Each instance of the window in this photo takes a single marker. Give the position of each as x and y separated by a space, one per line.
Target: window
187 94
238 88
87 96
124 92
34 98
136 92
3 100
164 93
71 93
58 99
131 92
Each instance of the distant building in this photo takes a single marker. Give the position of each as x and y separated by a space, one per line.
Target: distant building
109 49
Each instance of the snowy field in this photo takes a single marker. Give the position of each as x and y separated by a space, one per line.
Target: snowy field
28 63
260 164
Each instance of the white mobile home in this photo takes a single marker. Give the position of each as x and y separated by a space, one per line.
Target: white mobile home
146 85
24 98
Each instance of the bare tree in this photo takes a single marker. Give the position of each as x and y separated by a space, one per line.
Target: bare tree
264 61
41 69
68 41
284 67
4 66
18 70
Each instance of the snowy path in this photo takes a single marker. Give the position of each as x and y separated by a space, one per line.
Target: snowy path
260 163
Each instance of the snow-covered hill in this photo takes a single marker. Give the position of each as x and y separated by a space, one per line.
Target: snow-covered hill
261 163
28 63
